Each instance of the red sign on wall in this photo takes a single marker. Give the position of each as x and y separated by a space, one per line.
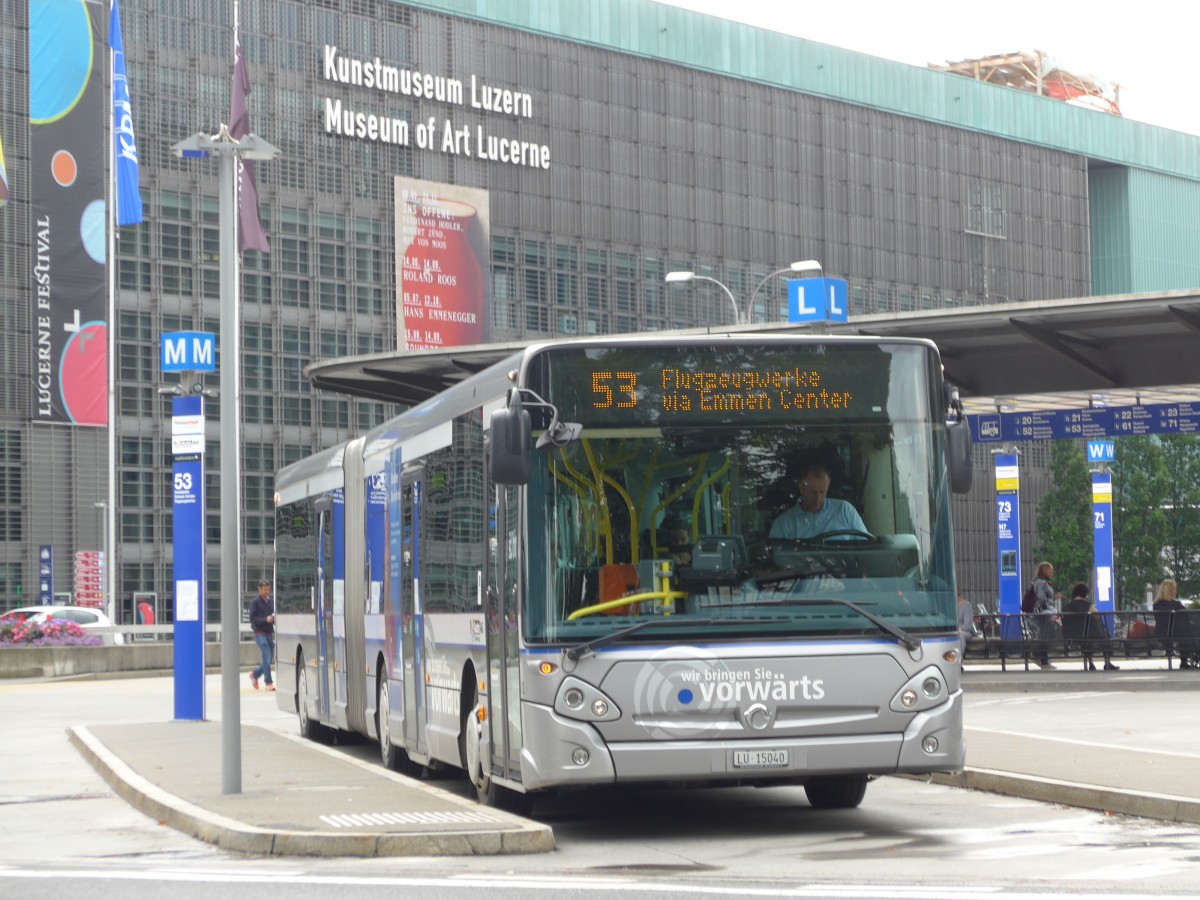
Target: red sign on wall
89 577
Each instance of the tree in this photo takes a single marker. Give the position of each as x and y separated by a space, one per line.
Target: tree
1181 456
1064 517
1141 527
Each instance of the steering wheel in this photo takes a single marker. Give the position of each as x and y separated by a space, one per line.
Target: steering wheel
824 536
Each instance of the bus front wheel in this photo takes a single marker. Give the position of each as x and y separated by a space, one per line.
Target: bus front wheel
476 750
845 792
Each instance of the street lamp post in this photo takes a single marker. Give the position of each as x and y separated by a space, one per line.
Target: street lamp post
807 265
227 149
801 267
692 276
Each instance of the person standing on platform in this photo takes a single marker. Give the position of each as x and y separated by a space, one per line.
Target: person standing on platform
262 620
1046 608
966 625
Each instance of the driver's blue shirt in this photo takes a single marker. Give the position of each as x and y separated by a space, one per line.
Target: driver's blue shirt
834 515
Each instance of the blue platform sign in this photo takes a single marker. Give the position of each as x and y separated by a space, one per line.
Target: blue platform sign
189 351
1102 541
1063 424
1008 543
1100 451
45 574
817 300
188 541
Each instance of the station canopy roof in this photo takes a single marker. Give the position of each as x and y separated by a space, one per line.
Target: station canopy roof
1117 350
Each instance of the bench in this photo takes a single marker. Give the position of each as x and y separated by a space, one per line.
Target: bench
1131 634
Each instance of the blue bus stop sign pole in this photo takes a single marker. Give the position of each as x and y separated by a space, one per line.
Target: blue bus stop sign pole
1102 542
1008 544
187 483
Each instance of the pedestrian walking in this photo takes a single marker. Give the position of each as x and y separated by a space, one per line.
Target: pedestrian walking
262 620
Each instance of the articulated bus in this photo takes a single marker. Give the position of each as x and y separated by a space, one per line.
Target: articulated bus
559 571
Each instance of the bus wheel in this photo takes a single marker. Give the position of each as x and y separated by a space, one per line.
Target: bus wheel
394 758
472 753
506 799
309 728
836 793
475 750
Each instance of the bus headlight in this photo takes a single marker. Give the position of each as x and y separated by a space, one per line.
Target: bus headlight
576 699
924 690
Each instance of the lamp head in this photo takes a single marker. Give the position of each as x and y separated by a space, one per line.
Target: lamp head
806 265
680 276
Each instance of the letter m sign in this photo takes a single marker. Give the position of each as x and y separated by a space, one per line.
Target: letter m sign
189 351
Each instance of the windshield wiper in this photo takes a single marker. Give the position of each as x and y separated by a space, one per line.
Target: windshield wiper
574 653
908 641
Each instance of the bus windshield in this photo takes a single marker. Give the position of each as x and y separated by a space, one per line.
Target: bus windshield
742 491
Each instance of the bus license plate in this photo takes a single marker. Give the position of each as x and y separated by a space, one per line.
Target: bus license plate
760 759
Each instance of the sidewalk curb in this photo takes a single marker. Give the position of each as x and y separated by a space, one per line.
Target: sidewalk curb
232 835
1049 790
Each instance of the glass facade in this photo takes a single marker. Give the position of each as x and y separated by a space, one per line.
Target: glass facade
653 166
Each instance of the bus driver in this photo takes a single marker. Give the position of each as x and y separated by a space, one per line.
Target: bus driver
815 513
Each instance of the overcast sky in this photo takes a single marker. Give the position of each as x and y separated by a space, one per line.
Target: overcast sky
1149 47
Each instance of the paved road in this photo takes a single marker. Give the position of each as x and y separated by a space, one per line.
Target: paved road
908 832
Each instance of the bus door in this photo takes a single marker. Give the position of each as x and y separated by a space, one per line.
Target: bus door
324 605
335 614
503 636
412 644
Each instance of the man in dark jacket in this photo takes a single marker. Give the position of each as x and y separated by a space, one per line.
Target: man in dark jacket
262 620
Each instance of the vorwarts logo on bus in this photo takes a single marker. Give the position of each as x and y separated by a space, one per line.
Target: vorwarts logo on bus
690 698
756 684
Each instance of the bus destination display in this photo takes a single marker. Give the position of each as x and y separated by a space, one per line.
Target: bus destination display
682 391
629 386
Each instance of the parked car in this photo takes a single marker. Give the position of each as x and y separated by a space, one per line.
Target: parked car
84 616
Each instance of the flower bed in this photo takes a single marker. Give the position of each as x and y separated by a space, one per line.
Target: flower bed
46 634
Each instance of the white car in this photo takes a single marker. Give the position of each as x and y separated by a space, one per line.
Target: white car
85 617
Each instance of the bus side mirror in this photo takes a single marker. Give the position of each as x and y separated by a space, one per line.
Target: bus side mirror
958 455
512 444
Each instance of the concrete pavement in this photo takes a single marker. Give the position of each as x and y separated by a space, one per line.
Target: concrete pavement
300 798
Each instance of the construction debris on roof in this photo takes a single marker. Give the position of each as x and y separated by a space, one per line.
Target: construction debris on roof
1037 73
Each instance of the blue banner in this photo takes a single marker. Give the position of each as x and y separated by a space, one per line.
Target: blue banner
1008 543
189 545
128 199
1102 540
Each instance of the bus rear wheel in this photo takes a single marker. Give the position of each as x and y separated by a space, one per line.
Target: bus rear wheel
845 792
393 757
309 727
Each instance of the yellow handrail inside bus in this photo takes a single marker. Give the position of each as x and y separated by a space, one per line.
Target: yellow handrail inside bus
627 600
